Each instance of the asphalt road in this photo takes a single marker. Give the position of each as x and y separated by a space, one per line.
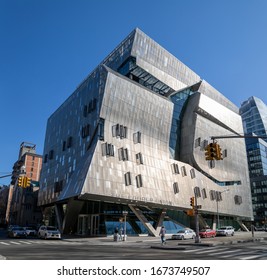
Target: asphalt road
220 248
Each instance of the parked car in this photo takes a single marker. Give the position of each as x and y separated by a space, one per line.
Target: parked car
260 228
11 226
30 231
17 232
186 233
49 232
207 233
226 231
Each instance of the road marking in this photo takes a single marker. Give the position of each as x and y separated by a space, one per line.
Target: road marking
260 255
25 242
13 242
4 243
249 257
208 251
238 254
223 252
238 250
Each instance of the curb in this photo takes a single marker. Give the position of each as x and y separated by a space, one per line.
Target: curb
168 248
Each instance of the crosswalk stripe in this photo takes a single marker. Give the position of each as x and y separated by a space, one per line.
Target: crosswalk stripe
260 255
249 257
210 251
32 242
237 254
193 250
25 242
4 243
201 250
13 242
226 252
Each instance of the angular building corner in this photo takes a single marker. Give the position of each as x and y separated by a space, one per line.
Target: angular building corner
131 139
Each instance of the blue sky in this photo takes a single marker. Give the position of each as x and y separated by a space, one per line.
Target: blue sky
47 47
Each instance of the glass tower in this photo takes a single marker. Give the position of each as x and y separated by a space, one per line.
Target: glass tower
254 117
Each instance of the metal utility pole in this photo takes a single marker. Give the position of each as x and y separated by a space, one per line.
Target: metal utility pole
125 213
196 207
213 150
5 176
237 136
217 202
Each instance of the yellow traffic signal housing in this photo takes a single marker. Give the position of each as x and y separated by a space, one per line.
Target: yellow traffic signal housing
27 182
190 212
192 202
210 151
213 151
207 152
20 181
218 152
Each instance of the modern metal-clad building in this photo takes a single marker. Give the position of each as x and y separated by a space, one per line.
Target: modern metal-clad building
131 140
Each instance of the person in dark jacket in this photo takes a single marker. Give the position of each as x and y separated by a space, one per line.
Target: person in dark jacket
162 234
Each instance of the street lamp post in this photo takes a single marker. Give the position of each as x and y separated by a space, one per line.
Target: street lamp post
125 213
217 202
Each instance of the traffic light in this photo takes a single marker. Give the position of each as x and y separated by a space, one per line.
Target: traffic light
20 181
24 182
207 152
210 151
213 151
192 202
27 182
190 212
218 152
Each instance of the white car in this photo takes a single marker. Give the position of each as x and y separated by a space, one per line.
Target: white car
48 232
226 231
186 233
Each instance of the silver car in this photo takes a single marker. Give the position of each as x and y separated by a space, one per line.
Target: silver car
49 232
186 233
226 231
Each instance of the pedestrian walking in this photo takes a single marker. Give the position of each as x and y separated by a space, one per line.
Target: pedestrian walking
121 233
162 234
